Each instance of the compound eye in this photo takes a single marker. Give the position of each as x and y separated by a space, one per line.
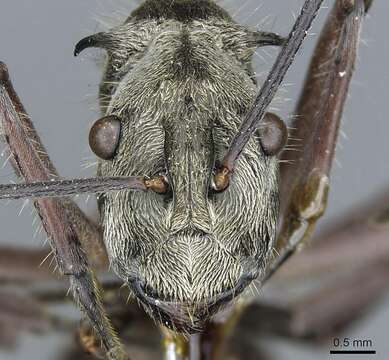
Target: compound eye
273 134
104 137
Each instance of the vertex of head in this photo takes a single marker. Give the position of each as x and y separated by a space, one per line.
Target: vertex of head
181 10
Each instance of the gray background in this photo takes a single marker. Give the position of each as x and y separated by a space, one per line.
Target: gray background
36 41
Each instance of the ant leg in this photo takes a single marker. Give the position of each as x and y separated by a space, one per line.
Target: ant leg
305 180
89 233
32 163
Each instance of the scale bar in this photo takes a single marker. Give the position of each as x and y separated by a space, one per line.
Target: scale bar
357 352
